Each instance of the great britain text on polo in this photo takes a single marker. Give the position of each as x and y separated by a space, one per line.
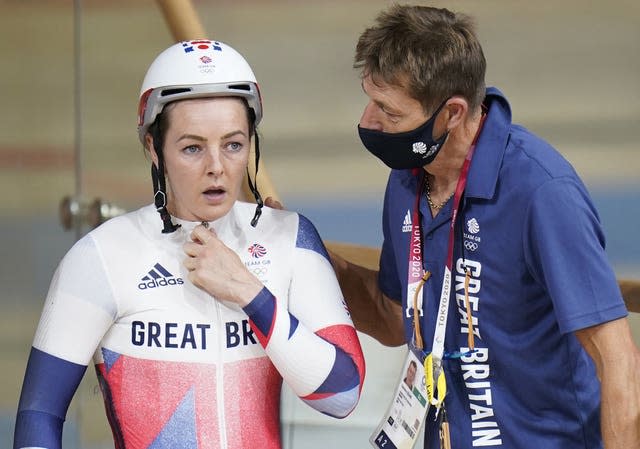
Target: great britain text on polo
476 370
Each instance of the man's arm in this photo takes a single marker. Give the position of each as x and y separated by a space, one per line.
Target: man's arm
372 312
617 361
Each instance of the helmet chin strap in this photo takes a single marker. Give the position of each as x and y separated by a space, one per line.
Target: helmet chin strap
254 188
160 196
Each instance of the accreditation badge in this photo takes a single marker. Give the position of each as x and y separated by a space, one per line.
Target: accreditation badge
403 420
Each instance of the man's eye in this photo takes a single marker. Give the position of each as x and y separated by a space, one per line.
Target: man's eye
391 115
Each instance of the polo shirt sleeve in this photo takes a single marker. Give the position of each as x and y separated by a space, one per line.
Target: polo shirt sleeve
388 279
564 247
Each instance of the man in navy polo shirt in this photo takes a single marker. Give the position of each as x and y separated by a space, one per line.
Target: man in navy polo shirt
493 263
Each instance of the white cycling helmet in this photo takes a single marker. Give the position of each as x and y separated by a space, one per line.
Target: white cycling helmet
196 69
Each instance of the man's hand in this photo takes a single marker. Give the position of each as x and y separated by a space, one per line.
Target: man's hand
273 203
372 312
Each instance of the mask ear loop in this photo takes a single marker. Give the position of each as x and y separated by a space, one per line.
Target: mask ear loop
254 188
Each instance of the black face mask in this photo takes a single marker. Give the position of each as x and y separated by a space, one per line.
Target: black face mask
411 149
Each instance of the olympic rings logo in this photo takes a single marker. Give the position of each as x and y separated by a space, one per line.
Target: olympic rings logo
259 271
471 246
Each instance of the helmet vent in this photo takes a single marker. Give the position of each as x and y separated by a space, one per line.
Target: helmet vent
240 87
175 91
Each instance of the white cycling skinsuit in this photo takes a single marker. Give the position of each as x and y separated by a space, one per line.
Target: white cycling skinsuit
178 368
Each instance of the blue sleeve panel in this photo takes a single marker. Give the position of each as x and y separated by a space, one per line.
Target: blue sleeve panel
308 237
344 375
49 385
262 310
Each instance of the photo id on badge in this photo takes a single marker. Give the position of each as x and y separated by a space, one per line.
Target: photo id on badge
400 426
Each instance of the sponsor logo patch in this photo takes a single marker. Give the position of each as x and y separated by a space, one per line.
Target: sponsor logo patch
158 276
406 224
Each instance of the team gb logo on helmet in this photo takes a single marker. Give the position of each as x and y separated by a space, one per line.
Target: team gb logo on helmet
191 46
203 50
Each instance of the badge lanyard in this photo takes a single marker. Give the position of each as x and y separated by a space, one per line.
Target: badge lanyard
417 276
400 427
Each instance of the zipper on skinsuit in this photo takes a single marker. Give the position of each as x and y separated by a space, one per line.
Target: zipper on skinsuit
220 376
215 307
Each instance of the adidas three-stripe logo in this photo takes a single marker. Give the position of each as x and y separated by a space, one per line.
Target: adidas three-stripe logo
157 272
158 276
406 224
